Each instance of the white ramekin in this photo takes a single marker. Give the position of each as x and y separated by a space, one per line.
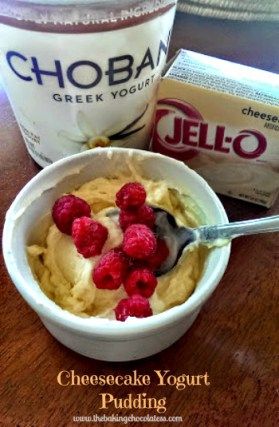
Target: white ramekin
100 338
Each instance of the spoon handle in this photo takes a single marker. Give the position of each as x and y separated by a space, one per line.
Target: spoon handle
240 228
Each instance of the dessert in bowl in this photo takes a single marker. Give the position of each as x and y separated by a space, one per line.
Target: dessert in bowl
80 314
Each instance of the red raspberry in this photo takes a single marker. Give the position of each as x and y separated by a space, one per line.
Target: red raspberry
139 241
110 271
89 236
136 263
143 215
153 262
141 282
66 209
135 306
131 195
162 252
122 310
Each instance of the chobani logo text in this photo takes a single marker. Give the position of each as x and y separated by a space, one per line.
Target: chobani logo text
180 132
119 69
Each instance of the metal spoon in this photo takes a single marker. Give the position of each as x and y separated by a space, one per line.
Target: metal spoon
178 238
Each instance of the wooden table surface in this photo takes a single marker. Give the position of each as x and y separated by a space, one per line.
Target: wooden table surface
234 339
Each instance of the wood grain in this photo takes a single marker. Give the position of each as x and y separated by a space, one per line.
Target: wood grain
234 339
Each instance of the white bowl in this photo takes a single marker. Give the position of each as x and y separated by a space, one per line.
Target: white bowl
101 338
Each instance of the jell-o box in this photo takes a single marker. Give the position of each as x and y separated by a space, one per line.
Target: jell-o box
221 119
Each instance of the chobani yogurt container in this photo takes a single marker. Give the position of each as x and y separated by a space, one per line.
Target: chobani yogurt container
222 119
83 74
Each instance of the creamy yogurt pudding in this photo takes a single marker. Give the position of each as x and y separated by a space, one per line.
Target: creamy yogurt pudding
66 276
83 74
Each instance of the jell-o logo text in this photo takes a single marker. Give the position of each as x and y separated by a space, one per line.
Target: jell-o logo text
180 130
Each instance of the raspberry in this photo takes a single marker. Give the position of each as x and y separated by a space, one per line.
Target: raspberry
141 282
162 252
66 209
136 263
153 262
135 306
89 236
111 270
143 215
122 310
139 241
131 195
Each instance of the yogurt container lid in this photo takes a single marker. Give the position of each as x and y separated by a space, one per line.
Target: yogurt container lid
69 2
78 11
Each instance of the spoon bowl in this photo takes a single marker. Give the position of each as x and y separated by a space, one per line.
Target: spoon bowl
179 238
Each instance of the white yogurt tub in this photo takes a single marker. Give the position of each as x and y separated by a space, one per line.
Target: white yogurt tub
82 74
